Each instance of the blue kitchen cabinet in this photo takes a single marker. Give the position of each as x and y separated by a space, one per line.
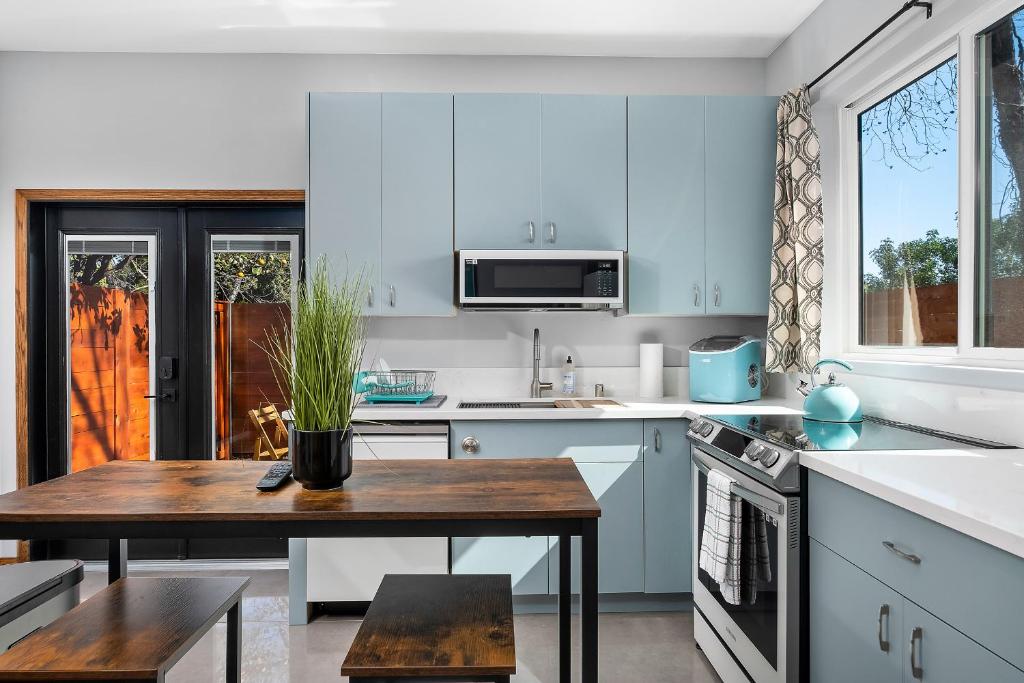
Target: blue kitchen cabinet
416 205
343 207
583 172
666 205
667 494
497 171
524 558
619 489
739 199
856 623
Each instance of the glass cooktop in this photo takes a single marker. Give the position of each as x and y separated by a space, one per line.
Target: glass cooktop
794 432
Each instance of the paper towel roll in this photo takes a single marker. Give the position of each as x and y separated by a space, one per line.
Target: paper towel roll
652 366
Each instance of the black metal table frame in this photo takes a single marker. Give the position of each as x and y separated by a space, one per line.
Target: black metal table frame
117 533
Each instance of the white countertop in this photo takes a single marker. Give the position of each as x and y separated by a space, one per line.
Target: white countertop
631 409
977 492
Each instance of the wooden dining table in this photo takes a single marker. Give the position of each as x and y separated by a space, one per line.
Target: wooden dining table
122 500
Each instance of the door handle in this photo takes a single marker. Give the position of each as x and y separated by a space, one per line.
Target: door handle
718 295
552 232
657 440
883 641
471 444
909 557
916 670
696 294
391 292
532 233
169 395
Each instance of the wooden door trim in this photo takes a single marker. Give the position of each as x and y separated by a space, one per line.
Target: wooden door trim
22 199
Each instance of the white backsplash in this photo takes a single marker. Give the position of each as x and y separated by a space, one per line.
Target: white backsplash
621 382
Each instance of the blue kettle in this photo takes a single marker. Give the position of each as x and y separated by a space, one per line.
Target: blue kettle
830 402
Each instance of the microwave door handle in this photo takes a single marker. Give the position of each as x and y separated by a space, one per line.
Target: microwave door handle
763 503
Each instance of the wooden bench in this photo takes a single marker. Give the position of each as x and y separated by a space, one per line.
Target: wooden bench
426 627
133 630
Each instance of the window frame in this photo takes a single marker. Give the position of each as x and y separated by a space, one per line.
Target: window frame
959 43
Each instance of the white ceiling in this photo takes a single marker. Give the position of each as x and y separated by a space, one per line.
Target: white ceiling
638 28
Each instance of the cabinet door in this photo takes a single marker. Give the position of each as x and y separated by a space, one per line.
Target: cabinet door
343 203
740 195
848 629
666 205
941 654
619 489
667 529
583 172
525 558
416 205
497 171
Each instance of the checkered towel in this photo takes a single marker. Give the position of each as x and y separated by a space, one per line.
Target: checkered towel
757 563
720 543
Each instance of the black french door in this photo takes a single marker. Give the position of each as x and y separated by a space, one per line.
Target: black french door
144 331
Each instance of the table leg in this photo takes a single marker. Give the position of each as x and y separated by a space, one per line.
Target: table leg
588 601
564 609
117 559
234 645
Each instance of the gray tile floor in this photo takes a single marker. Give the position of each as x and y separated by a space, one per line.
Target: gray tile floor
635 648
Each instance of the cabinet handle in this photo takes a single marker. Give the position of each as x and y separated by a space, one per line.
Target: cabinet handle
696 294
391 294
369 297
532 232
718 295
909 557
552 232
471 444
915 638
657 440
883 641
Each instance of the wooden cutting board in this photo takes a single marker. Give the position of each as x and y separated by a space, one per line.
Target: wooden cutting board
585 402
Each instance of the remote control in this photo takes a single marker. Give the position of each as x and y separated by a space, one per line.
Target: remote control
277 475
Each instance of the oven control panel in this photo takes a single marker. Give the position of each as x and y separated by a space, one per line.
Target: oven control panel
753 455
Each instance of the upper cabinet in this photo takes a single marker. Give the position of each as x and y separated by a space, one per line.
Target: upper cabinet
380 195
701 192
739 199
540 171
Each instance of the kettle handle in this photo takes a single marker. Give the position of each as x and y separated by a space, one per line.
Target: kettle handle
827 361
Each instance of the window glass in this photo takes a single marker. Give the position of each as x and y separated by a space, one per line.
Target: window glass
1000 238
908 214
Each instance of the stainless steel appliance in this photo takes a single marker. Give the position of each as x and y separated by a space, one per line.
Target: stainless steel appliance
541 279
759 640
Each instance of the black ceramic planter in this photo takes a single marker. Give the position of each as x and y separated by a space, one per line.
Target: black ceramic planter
320 460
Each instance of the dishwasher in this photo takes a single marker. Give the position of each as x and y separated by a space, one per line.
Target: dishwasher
345 570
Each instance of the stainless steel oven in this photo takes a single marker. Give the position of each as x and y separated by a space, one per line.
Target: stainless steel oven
541 279
759 639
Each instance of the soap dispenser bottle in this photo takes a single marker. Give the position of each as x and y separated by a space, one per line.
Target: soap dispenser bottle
568 377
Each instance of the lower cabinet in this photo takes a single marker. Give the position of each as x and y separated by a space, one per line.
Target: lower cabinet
862 630
668 553
525 558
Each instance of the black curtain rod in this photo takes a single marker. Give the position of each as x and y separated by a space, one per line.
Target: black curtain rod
903 10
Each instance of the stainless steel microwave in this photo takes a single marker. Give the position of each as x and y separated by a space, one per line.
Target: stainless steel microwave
534 279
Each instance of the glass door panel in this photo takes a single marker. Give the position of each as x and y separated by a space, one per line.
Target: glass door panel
252 287
109 370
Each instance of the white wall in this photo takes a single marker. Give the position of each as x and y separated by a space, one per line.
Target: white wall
825 35
237 122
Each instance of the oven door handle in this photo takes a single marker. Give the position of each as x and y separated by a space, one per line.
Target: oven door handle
753 497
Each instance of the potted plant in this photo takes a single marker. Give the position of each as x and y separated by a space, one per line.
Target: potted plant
315 359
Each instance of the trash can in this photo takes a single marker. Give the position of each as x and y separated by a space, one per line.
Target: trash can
34 594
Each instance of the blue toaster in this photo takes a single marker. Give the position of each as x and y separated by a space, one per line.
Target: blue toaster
726 369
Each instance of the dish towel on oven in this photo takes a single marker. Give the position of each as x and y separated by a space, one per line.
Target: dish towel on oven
757 563
722 538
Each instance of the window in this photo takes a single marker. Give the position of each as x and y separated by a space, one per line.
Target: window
908 213
999 251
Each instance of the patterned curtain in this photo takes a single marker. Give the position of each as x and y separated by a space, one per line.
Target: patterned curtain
797 260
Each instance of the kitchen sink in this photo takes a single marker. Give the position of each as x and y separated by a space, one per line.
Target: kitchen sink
501 405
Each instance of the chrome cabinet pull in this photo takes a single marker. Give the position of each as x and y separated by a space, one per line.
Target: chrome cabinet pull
915 638
883 641
909 557
532 232
657 440
696 294
471 444
552 232
718 295
391 293
369 297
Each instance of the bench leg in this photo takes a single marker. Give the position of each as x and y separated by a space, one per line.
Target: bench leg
564 609
588 601
117 559
234 644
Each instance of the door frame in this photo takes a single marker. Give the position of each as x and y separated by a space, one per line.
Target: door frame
23 198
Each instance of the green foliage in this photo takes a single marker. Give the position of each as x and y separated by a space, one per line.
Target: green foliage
1006 246
252 277
112 271
929 261
316 360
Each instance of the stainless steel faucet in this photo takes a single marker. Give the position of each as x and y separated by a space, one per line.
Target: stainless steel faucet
536 386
